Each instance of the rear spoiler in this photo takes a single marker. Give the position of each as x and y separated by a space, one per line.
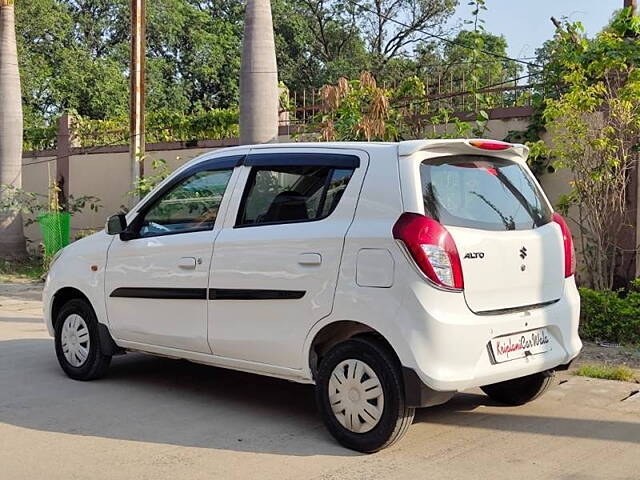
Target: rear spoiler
462 145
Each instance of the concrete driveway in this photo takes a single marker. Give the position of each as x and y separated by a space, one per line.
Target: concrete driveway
155 418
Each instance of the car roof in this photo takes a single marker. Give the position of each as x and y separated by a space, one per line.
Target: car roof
404 148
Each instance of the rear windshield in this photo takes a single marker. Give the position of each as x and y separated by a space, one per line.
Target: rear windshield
482 192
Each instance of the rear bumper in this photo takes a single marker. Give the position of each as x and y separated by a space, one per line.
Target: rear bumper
450 345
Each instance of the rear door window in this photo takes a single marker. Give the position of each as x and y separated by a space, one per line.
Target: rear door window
292 193
482 192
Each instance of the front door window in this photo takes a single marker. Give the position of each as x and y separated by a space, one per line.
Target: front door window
190 206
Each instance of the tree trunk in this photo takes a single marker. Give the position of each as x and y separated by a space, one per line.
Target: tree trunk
12 241
259 94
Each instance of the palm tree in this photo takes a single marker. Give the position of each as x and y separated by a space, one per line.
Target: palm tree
12 241
259 94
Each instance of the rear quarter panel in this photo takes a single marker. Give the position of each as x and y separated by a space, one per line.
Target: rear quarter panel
379 207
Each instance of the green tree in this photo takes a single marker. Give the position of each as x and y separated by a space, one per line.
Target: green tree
595 126
392 28
370 34
468 65
75 55
317 42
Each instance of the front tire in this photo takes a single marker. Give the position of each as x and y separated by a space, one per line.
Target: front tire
519 391
77 341
360 395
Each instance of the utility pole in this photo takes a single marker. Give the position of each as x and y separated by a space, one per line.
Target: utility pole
136 110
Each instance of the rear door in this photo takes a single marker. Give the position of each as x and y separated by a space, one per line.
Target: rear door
276 261
511 251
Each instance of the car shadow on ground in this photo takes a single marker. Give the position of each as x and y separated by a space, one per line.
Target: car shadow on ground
466 410
158 400
151 399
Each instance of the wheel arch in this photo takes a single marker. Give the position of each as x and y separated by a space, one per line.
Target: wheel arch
61 297
64 295
338 331
417 393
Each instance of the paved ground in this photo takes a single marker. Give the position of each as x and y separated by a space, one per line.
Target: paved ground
154 418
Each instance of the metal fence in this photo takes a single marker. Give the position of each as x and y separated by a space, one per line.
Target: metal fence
442 93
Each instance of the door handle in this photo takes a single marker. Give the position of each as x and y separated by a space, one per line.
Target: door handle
310 259
187 263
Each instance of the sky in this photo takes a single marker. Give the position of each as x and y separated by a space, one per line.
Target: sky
526 24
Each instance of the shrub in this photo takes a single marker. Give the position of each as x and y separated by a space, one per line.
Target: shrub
611 315
40 138
161 126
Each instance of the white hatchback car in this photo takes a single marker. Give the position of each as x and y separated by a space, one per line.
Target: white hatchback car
390 275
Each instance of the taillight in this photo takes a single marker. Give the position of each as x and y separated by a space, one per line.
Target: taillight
569 252
432 248
489 144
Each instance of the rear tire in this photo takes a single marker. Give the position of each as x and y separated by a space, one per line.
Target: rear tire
77 341
519 391
360 395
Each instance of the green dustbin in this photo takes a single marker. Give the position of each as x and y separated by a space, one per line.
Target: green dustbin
56 228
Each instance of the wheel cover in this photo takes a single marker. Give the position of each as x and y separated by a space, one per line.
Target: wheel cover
356 396
75 340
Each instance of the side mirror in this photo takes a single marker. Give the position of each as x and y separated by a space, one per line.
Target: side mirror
116 224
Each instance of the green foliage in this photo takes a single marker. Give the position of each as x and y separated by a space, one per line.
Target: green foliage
66 58
611 315
75 56
317 42
32 204
361 110
161 126
160 171
492 70
40 138
445 125
619 373
356 110
595 125
22 271
539 159
470 63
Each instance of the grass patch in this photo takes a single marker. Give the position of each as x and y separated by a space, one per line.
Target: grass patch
621 373
21 271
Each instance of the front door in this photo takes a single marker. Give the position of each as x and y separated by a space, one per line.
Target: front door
157 276
276 261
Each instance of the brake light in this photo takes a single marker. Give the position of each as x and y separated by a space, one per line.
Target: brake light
489 144
432 248
569 252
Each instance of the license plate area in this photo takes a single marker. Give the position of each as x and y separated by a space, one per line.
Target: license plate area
519 345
